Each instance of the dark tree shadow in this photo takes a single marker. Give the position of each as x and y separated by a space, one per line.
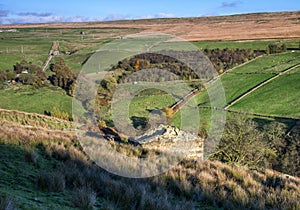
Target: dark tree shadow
140 123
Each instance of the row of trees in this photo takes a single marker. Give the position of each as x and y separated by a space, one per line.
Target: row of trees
176 62
224 59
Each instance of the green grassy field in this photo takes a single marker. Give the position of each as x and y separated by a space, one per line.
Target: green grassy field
140 105
35 100
255 45
295 71
7 61
234 85
269 64
280 97
32 44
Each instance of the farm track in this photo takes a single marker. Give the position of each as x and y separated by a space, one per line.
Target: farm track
55 47
179 104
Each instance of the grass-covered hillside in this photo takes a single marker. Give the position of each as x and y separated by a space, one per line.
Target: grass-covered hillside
45 171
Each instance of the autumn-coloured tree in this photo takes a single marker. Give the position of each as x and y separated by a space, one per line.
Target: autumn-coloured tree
168 112
137 65
55 112
63 76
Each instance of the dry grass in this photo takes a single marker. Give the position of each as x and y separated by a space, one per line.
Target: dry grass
33 120
186 185
241 188
11 132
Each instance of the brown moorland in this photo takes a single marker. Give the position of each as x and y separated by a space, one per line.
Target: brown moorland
235 27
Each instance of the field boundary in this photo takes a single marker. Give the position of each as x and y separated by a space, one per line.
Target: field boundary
249 113
260 85
179 104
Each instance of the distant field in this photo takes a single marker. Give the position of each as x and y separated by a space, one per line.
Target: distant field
234 85
35 100
140 105
7 61
270 63
280 97
256 26
255 45
34 44
24 46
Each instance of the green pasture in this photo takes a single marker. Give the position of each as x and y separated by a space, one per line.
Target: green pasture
7 61
247 44
234 85
280 97
35 100
269 64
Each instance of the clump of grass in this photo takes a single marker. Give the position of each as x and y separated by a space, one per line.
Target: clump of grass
6 203
51 181
31 155
84 198
74 174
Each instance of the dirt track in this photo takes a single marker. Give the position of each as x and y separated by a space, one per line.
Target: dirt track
235 27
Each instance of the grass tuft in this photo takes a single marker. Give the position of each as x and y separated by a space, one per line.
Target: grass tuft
84 198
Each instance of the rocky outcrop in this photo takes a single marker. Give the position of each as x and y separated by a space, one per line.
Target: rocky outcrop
172 140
